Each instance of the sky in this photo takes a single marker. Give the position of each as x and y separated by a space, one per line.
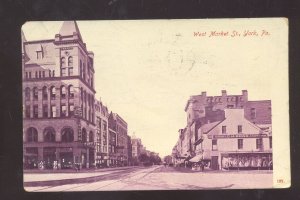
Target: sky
146 70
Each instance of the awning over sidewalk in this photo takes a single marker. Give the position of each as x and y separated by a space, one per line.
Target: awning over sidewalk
197 158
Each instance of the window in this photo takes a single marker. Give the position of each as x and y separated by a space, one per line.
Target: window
32 135
26 75
63 111
43 74
258 143
70 71
240 144
214 145
29 74
45 93
83 135
63 92
223 129
36 74
49 134
67 135
71 91
63 62
53 92
53 73
253 113
39 54
27 94
35 111
70 61
27 111
240 129
63 72
270 142
35 94
40 75
53 111
81 69
71 109
45 110
91 137
49 73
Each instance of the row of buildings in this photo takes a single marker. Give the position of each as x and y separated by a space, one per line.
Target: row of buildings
226 132
63 123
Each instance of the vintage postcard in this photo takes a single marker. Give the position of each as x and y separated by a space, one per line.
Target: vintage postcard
190 104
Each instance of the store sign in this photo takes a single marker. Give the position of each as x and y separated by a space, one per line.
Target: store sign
237 136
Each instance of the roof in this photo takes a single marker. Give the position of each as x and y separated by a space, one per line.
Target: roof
207 127
69 28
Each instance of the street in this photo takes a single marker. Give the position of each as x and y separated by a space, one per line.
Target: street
147 178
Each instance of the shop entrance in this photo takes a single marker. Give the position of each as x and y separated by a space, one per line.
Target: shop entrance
49 157
66 160
214 163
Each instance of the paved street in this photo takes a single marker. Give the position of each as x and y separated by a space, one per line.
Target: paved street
147 178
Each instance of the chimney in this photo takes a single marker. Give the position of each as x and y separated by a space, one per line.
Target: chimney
203 94
224 93
245 95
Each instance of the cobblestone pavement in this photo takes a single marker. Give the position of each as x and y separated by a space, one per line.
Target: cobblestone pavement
165 178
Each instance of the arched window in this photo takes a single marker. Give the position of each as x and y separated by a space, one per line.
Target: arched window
70 61
83 135
27 94
49 134
63 62
71 91
67 135
53 92
63 92
45 93
32 135
35 93
91 136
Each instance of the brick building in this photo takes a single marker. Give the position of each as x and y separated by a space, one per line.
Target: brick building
203 109
59 97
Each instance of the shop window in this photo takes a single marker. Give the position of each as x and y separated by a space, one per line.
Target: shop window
49 134
240 129
223 129
240 144
214 145
53 111
259 143
45 93
27 94
35 111
45 111
253 113
67 135
63 112
53 92
71 109
71 91
27 111
35 93
32 135
63 92
270 142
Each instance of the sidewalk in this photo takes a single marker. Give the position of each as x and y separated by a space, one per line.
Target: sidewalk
189 170
58 177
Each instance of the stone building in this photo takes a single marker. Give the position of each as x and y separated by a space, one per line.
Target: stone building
59 97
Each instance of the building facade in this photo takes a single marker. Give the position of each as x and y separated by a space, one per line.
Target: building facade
59 96
202 110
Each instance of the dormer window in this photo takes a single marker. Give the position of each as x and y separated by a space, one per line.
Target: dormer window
39 55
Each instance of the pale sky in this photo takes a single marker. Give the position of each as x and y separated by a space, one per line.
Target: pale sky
146 70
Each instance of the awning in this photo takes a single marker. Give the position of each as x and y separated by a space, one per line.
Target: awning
197 158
